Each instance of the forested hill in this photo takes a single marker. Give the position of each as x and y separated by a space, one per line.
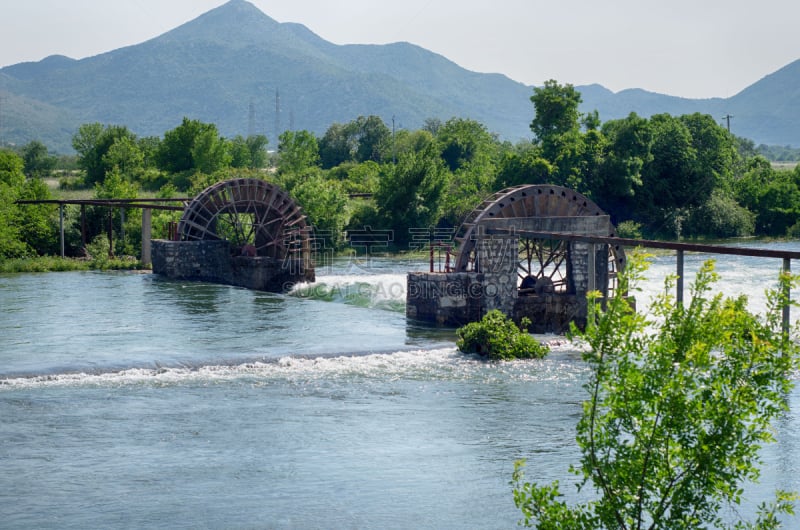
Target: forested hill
235 66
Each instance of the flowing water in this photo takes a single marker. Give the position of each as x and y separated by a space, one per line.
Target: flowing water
132 401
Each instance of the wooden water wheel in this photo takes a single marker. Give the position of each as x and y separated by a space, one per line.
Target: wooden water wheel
540 260
256 217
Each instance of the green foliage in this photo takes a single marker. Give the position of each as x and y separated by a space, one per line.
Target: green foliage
298 151
721 216
250 152
556 110
365 138
325 203
679 403
775 153
411 193
38 162
772 195
629 230
24 229
98 152
497 337
522 165
38 223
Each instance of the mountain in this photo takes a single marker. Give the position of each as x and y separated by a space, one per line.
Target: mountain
235 66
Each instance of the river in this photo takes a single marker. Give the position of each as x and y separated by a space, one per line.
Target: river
131 401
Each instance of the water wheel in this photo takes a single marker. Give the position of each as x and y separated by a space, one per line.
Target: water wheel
542 261
256 217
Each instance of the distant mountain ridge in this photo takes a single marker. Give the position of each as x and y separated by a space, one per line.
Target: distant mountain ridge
240 69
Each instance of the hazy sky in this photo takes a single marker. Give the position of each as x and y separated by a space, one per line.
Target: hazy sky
690 48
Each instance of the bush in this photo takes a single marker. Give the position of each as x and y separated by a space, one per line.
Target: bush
497 337
629 230
679 404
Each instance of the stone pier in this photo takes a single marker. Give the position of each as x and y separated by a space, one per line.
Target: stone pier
211 261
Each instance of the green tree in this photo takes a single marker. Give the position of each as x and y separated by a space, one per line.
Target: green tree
410 193
126 156
325 203
522 165
365 138
556 125
240 154
372 137
210 151
92 142
38 223
127 239
257 145
470 153
668 180
556 110
678 406
177 150
618 179
11 180
250 152
298 151
772 195
38 162
336 146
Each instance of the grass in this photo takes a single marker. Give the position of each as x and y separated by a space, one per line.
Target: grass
58 264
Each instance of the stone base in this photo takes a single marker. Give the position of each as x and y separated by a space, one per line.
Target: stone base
211 261
551 313
451 299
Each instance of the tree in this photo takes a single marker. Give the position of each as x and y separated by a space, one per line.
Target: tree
556 110
372 137
210 151
257 145
556 125
325 203
126 156
240 154
470 153
250 152
92 142
297 152
11 180
335 146
365 138
176 151
38 162
522 165
678 406
618 179
37 223
410 193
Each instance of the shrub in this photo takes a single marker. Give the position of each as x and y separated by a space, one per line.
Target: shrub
497 337
678 406
629 230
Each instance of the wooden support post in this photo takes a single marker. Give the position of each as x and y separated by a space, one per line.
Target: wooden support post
61 226
679 283
787 269
110 233
592 266
122 226
146 231
83 226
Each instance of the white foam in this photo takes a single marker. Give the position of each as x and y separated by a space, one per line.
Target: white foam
434 364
